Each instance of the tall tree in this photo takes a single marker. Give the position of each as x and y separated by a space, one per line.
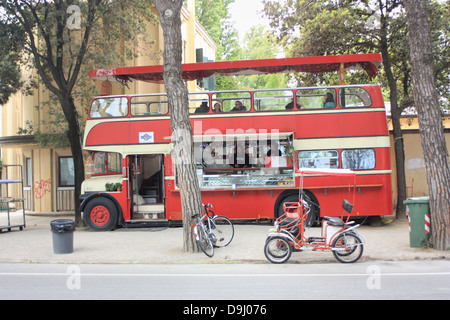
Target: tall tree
260 43
177 93
214 16
429 114
58 38
345 27
12 39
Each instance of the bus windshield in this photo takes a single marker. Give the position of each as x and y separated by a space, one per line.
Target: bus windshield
101 163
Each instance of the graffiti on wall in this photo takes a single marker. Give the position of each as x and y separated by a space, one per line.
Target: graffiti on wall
41 188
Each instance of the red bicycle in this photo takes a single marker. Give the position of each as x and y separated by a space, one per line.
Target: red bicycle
337 235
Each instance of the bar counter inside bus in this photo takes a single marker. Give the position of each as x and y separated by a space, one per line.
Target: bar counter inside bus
245 178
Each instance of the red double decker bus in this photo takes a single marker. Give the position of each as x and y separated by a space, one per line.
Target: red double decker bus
248 145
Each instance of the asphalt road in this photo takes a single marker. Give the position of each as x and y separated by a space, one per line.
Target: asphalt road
382 280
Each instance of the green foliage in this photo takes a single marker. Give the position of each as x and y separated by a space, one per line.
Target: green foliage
310 28
58 140
214 16
259 43
440 36
10 80
12 39
104 35
113 186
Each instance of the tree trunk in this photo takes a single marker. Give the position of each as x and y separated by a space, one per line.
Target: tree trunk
429 114
177 93
398 136
74 136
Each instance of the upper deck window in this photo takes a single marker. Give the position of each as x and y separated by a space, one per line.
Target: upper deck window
273 100
238 101
316 98
198 103
149 105
354 97
109 107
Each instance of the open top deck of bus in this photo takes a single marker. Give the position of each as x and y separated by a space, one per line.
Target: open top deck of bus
194 71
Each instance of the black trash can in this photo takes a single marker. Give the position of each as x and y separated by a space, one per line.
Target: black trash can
62 230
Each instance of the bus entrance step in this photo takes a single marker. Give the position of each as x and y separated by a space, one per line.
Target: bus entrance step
147 223
148 216
147 220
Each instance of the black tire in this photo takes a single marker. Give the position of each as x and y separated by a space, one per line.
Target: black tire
351 245
277 249
312 216
223 231
204 242
100 214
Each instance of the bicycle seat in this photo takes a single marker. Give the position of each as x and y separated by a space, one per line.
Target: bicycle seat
347 206
334 221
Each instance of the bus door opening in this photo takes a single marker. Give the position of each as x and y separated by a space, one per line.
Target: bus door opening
147 187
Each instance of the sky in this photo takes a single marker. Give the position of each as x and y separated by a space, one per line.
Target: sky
245 14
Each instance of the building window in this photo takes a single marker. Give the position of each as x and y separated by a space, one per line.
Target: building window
28 173
66 172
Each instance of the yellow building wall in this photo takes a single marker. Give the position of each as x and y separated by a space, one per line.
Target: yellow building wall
416 179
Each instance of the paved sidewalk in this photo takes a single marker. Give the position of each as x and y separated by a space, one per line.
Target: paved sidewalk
165 245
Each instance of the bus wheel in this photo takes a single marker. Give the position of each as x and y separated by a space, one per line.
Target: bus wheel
100 214
310 221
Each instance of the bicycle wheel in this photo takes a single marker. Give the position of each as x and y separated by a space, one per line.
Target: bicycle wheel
277 250
204 241
350 248
222 230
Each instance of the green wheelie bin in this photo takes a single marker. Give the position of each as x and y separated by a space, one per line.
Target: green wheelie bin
418 212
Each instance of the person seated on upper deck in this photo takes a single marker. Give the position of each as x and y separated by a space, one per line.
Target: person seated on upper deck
328 101
203 108
290 105
238 107
217 107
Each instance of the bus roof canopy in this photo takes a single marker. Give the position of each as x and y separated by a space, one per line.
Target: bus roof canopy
193 71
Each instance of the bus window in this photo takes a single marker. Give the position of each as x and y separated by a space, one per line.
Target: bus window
198 103
358 159
273 100
98 163
237 101
114 162
149 105
354 97
316 98
109 107
318 159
